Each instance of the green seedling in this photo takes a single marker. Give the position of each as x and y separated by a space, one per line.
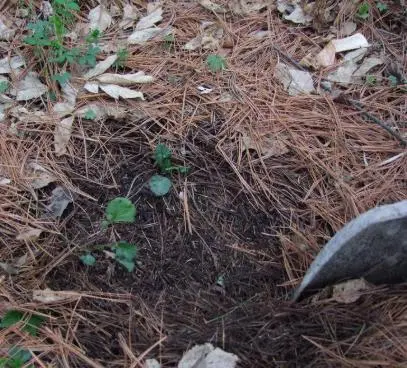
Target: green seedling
363 11
122 56
3 86
125 254
16 358
371 80
159 185
162 157
381 7
169 41
90 115
88 259
216 63
62 78
119 210
29 325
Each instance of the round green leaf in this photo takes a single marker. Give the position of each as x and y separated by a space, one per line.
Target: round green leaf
159 185
120 209
88 259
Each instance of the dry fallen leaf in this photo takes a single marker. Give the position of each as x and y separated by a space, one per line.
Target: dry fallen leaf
99 18
247 7
350 291
101 67
348 28
69 93
4 181
209 39
327 55
14 267
116 92
60 199
368 64
265 146
293 11
29 234
150 20
213 7
50 296
29 87
139 37
62 134
125 79
6 33
39 176
103 111
344 73
7 65
92 87
205 356
130 14
151 363
294 81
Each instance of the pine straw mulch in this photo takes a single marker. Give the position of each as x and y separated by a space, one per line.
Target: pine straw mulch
255 221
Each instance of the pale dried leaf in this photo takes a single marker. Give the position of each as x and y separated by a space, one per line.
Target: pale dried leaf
6 33
46 9
139 37
103 111
116 92
60 199
151 363
7 65
204 90
4 181
62 134
130 14
99 18
14 267
204 356
294 81
92 87
50 296
213 7
326 56
101 67
246 7
350 291
29 87
125 79
153 5
209 39
69 93
29 234
293 11
150 20
350 43
39 176
266 146
368 64
348 28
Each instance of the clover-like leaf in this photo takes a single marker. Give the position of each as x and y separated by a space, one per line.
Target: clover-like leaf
120 210
159 185
88 259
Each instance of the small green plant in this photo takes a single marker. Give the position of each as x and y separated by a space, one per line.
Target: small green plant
363 11
119 210
371 80
3 86
122 56
216 63
62 78
90 115
162 157
29 325
169 41
159 185
381 7
125 254
16 358
88 259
